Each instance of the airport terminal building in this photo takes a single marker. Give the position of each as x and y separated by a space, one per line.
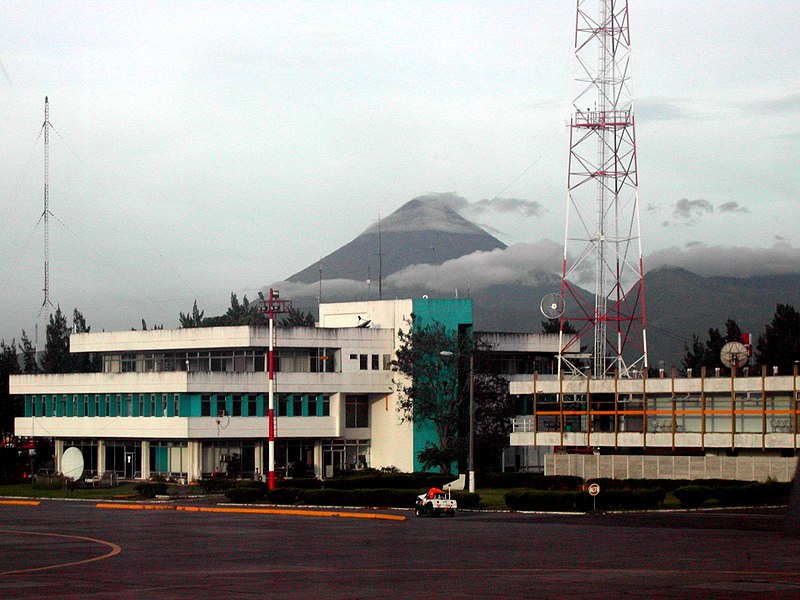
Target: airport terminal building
188 403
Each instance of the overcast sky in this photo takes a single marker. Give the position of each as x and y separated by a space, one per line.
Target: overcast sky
201 148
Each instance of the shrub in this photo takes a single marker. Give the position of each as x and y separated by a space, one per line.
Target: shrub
541 500
531 481
283 495
216 485
149 489
693 496
306 483
246 491
467 499
621 499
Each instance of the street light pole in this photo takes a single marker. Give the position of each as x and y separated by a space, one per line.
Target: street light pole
471 423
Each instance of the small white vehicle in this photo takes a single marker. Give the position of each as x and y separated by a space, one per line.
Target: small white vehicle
435 503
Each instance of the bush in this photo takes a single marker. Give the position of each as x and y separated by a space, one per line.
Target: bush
541 500
149 489
283 495
693 496
531 481
305 483
216 485
246 491
621 499
467 499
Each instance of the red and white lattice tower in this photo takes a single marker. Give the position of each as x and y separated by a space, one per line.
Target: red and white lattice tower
602 241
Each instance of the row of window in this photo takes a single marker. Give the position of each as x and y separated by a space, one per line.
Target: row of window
373 362
169 405
287 360
107 405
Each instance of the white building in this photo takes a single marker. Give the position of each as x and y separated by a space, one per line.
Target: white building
187 403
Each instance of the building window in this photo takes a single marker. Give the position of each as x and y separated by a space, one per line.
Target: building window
252 405
387 362
362 361
376 365
283 406
176 405
326 406
356 410
297 405
236 406
205 406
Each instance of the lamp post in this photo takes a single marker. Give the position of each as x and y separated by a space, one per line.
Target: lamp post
471 456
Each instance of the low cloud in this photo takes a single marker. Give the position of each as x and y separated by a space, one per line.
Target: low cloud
520 263
731 261
524 208
732 207
689 211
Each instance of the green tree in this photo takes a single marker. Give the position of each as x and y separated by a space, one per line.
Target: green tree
192 319
428 390
494 409
297 318
85 362
10 406
779 345
707 354
553 326
56 358
30 366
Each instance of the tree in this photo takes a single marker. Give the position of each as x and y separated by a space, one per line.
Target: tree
779 345
86 362
10 406
195 319
553 326
435 363
30 365
56 358
428 390
708 354
297 318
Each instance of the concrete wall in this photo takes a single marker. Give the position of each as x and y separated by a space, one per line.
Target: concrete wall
747 468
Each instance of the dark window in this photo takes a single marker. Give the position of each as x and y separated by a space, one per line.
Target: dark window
205 406
283 406
376 364
236 409
362 361
356 410
326 406
297 406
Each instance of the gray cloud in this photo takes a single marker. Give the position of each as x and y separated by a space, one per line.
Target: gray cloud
689 211
524 208
520 263
732 207
733 261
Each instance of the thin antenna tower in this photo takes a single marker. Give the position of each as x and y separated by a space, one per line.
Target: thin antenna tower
380 261
46 212
602 231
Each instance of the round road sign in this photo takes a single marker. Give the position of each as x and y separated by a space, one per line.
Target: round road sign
594 489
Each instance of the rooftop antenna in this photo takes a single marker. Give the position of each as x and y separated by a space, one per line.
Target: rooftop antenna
46 216
380 260
602 223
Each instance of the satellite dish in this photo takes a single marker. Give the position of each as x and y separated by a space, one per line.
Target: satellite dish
552 306
72 463
734 355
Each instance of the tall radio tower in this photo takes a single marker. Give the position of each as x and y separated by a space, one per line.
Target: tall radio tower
46 212
602 238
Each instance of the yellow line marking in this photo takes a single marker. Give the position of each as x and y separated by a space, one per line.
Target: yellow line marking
21 502
254 511
115 549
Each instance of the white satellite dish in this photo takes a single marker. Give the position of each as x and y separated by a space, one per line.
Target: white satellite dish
552 306
72 463
734 355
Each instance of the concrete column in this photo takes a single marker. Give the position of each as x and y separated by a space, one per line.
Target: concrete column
101 457
259 458
145 466
318 459
195 465
59 452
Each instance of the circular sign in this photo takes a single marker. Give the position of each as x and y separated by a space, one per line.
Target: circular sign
72 463
594 489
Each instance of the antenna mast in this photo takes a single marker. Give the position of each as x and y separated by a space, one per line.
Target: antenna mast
46 212
602 231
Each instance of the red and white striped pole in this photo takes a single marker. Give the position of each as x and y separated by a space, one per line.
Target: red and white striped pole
271 389
271 306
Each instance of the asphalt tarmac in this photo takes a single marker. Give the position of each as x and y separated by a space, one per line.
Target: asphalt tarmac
61 549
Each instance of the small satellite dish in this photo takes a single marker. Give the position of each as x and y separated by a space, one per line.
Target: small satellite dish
72 463
552 306
734 355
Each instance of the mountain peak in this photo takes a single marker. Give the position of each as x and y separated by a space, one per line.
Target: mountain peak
432 212
425 230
